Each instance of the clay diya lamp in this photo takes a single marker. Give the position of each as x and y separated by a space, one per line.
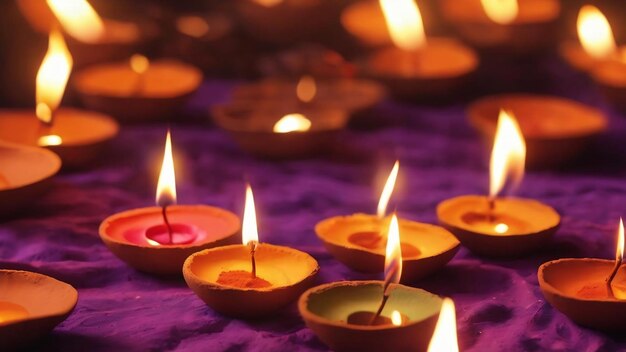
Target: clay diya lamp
25 173
611 77
372 315
417 68
499 226
557 130
506 27
250 280
157 240
31 305
591 292
358 240
138 90
282 132
76 135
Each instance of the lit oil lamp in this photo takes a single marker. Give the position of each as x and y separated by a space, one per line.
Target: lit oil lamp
158 239
591 292
497 225
250 280
31 305
556 130
505 26
417 67
358 240
372 315
76 135
138 89
444 338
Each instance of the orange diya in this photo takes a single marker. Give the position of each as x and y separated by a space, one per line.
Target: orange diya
76 135
358 241
157 240
501 226
250 280
591 292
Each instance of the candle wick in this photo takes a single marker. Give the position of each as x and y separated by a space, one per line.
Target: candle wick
253 245
167 224
140 82
609 280
386 293
491 204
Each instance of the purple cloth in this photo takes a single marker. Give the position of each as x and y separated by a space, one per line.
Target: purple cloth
499 305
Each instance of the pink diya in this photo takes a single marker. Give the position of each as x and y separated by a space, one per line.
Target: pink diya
501 226
157 240
591 292
31 305
76 135
250 280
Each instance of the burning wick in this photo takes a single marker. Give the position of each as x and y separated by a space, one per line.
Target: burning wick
253 245
167 224
406 29
139 64
619 257
166 187
385 195
249 229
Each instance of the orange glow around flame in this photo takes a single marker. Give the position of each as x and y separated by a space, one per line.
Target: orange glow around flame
501 11
393 253
49 140
52 77
292 123
166 187
404 21
445 338
594 33
396 318
508 155
388 190
249 231
139 64
78 19
619 253
306 89
268 3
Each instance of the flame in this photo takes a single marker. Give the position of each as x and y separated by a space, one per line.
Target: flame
405 23
501 228
501 11
594 32
388 190
268 3
249 231
393 254
139 64
619 253
306 89
508 156
52 77
396 318
166 187
444 338
49 140
292 123
78 19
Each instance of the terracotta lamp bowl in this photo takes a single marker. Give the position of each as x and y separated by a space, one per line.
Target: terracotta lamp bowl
556 130
611 77
425 248
289 272
327 308
31 305
577 288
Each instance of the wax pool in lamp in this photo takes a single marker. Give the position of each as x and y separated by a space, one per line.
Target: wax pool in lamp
591 292
495 225
505 26
76 135
252 279
158 239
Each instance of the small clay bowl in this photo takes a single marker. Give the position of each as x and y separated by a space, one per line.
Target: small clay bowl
576 287
252 129
531 224
124 235
35 305
611 77
115 89
429 74
556 130
25 173
85 133
534 29
426 248
326 308
290 272
365 21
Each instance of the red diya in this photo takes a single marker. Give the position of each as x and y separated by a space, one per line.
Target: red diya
157 240
76 135
416 67
250 280
138 90
591 292
501 226
505 26
358 240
